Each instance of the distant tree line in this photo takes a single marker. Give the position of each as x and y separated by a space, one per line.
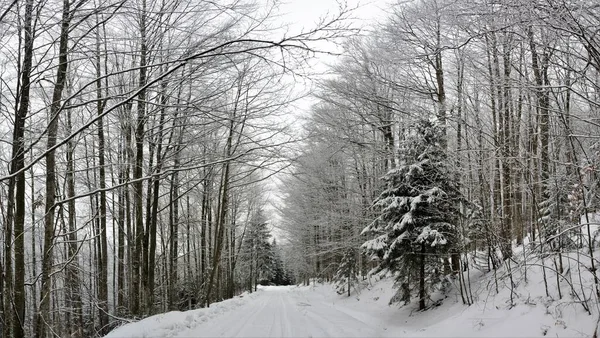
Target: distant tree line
446 135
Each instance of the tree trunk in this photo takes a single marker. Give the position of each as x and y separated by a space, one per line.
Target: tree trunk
422 292
73 280
173 235
148 294
220 225
223 202
439 76
540 72
14 294
43 316
204 234
507 164
103 261
121 221
156 193
495 97
139 278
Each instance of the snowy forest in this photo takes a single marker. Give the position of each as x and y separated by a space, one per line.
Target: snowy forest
162 155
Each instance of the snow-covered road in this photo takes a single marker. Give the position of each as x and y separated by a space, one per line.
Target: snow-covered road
274 311
317 311
287 312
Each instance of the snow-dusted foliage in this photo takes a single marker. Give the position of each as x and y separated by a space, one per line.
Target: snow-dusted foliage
281 275
257 256
559 211
346 276
418 210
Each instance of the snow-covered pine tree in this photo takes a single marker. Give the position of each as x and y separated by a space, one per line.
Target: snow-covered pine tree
418 212
257 253
265 262
280 275
346 275
556 212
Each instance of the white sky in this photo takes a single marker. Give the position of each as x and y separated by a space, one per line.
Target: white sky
306 13
300 15
303 15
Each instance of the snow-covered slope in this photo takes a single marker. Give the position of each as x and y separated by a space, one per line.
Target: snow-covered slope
490 316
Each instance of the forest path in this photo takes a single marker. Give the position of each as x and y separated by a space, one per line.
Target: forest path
288 312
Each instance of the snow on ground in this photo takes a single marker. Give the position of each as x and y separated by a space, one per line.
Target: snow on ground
270 312
317 311
170 324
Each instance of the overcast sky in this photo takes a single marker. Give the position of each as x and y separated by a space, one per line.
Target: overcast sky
299 14
307 12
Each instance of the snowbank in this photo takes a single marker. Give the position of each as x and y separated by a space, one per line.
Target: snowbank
172 323
532 315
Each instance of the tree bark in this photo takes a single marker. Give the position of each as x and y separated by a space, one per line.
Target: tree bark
43 316
139 276
507 163
422 291
14 294
540 72
103 261
155 195
73 280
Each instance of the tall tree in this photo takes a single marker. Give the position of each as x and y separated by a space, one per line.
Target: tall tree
15 314
43 316
103 261
419 209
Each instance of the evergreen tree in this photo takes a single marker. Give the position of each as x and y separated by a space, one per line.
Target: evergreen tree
279 272
418 211
347 273
264 259
257 253
555 210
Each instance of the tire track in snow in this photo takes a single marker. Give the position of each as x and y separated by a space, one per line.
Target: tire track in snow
239 327
274 321
286 319
286 312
